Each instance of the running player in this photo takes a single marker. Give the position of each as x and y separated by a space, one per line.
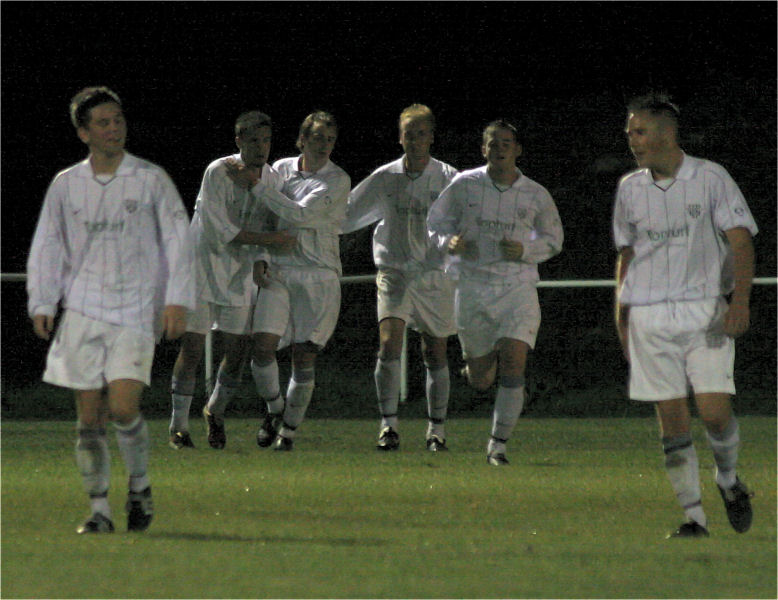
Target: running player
498 225
300 299
229 228
412 287
683 231
112 245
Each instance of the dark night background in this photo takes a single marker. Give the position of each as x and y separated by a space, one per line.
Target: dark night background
562 71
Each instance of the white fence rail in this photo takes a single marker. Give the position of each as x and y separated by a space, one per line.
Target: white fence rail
567 283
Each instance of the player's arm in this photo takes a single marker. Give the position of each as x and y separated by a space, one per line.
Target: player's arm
547 241
280 241
737 318
178 249
318 201
444 220
47 263
365 205
621 311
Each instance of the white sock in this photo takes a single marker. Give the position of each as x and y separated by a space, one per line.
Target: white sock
133 441
94 464
387 382
683 471
725 447
298 397
225 389
437 387
507 408
182 391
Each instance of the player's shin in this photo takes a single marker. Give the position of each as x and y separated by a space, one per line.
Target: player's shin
507 406
437 387
225 389
387 382
683 471
94 464
298 397
725 445
133 442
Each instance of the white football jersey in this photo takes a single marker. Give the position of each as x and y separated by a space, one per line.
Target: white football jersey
115 250
476 208
222 210
676 229
400 204
313 207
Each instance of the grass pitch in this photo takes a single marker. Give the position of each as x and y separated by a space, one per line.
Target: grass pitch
581 512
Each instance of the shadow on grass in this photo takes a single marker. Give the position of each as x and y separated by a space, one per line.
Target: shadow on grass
221 537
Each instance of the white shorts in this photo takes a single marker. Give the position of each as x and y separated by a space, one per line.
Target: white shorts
229 319
424 300
674 346
88 354
300 305
487 313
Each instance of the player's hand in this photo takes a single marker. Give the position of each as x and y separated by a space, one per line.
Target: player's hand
458 246
512 251
174 321
260 273
241 175
737 319
282 241
43 325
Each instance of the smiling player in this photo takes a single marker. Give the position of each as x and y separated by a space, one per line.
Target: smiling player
412 288
112 245
683 231
498 225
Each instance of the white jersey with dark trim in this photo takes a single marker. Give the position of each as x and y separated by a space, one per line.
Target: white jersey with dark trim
400 203
222 210
485 213
115 249
676 229
312 206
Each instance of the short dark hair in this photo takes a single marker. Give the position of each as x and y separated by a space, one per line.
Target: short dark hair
500 124
250 120
86 100
658 104
317 116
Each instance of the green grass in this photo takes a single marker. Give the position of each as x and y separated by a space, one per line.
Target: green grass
581 512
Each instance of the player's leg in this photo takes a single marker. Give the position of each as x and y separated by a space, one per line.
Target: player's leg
298 394
682 464
182 387
132 437
437 389
236 350
93 458
509 401
723 434
387 380
270 325
264 370
710 367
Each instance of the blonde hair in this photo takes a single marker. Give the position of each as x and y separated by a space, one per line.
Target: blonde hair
417 111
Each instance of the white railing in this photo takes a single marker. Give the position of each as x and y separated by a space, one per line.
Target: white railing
567 283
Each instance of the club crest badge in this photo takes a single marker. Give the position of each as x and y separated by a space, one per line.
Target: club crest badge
694 210
130 205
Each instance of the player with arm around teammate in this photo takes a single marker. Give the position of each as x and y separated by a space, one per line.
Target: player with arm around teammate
231 231
683 231
412 288
112 245
299 302
497 224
